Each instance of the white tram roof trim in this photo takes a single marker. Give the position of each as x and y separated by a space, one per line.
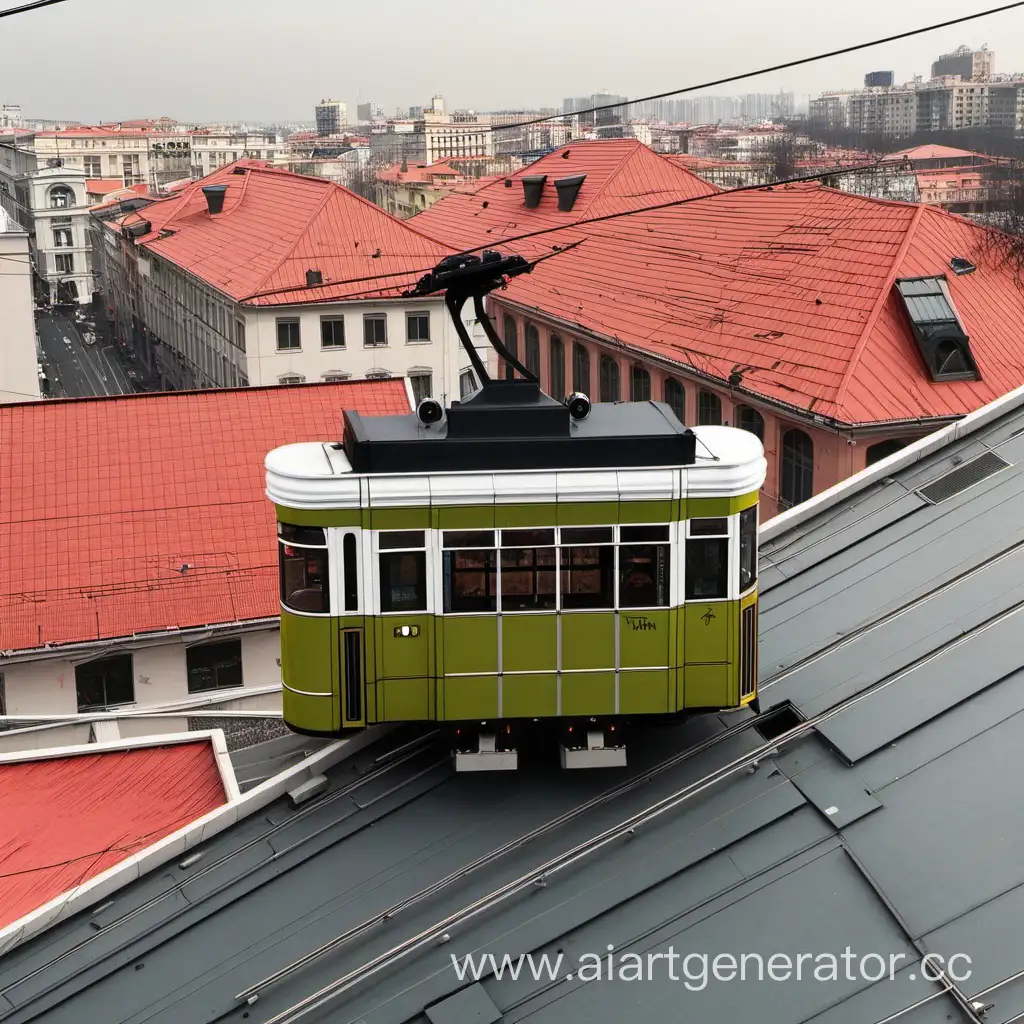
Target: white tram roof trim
317 475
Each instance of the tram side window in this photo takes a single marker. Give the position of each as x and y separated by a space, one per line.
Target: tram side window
305 583
644 564
403 571
351 572
470 563
588 567
748 548
707 559
528 567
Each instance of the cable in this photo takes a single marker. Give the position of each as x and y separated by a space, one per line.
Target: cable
11 11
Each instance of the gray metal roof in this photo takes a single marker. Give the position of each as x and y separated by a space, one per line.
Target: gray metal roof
884 819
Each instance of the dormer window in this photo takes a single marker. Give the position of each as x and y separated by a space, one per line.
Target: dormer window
944 345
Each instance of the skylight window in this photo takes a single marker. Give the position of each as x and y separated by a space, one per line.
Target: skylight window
940 336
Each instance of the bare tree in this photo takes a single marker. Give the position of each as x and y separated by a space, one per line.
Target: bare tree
1003 209
778 159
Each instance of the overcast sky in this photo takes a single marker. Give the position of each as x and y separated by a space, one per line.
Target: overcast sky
266 60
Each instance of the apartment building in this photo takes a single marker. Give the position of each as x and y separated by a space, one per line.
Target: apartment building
19 379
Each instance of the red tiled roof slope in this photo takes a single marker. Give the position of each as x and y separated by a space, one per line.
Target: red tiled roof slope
276 225
68 819
793 288
104 500
622 174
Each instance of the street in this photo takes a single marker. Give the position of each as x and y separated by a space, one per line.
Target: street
75 369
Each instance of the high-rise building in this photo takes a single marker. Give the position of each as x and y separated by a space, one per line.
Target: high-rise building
878 78
364 112
970 65
331 117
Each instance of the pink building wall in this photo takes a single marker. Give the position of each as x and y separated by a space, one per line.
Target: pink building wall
835 457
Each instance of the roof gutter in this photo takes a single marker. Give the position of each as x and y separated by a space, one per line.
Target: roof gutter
48 652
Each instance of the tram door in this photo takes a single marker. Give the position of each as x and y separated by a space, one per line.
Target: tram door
351 658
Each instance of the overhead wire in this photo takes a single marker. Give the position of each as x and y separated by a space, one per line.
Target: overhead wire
9 12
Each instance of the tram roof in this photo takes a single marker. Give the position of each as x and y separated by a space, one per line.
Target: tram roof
889 603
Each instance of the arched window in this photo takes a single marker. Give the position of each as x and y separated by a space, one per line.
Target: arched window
580 368
609 379
675 397
883 450
797 476
556 368
709 409
61 196
511 340
532 355
639 384
750 419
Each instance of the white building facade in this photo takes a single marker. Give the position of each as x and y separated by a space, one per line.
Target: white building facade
19 377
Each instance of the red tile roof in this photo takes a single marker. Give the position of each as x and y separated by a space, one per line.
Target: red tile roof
103 500
102 186
933 152
417 172
275 226
622 174
792 287
68 819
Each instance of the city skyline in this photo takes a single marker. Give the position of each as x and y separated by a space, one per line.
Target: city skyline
633 64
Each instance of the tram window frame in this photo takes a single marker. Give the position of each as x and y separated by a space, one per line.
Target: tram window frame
350 571
395 549
638 545
521 554
747 559
312 558
707 559
590 552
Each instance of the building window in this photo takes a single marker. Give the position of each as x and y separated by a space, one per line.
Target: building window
639 384
62 238
532 353
675 398
336 377
797 475
528 564
291 378
288 338
470 567
305 585
467 383
709 409
748 548
332 332
643 566
403 571
511 339
105 683
421 386
61 197
940 336
417 327
93 166
883 450
609 379
556 367
580 368
240 334
64 263
707 559
375 330
214 666
751 420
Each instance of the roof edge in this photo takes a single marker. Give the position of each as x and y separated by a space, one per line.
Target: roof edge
914 452
177 843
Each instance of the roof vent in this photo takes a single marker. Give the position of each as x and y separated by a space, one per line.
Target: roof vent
214 197
959 479
568 190
313 278
533 186
961 266
239 170
138 229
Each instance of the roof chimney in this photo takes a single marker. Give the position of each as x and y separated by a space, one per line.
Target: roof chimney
313 278
214 197
568 189
533 186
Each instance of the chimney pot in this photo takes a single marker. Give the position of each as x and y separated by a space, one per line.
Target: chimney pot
214 197
568 189
533 187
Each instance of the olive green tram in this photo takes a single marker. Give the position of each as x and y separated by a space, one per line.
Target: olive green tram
512 559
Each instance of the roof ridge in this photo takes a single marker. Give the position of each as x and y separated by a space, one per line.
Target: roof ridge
876 309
